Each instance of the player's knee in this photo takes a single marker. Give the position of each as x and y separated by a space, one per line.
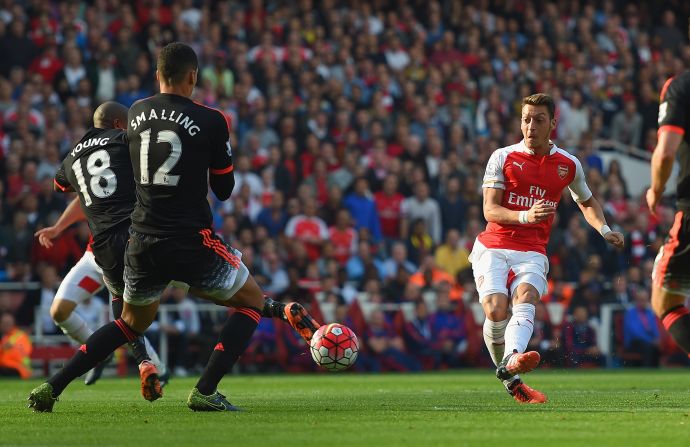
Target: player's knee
61 309
496 308
527 295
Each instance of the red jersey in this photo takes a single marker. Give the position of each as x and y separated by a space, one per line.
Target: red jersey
344 243
390 213
305 228
525 179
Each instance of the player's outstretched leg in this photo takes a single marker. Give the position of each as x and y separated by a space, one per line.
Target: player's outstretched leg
524 394
293 313
517 363
41 399
518 333
670 308
233 340
152 374
103 342
214 402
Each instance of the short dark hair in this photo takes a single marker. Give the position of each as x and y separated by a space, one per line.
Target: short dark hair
175 61
540 99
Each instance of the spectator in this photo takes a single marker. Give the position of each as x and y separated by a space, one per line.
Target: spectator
363 265
419 337
389 205
544 339
397 260
243 175
626 127
343 237
387 347
363 209
420 243
220 77
453 207
308 229
15 349
580 341
274 217
640 330
452 256
423 207
449 331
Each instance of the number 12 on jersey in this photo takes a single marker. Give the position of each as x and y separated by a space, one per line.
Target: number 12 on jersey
162 176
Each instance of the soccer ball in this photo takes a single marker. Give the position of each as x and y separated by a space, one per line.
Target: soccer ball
334 347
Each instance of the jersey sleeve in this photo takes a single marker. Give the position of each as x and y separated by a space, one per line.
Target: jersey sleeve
221 150
672 108
493 176
60 181
578 187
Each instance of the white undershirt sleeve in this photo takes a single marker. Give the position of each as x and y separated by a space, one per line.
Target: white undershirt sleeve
493 176
578 187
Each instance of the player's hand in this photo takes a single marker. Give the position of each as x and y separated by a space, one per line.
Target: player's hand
540 211
615 238
46 236
653 198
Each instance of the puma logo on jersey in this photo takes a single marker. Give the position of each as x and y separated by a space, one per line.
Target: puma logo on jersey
91 142
519 165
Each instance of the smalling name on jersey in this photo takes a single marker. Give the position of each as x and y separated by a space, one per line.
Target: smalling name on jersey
176 117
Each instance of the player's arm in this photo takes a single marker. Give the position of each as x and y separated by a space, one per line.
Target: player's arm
221 175
60 182
73 213
672 118
591 208
662 163
495 212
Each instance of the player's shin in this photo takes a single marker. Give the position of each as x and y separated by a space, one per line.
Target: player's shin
520 328
101 343
233 340
677 323
494 337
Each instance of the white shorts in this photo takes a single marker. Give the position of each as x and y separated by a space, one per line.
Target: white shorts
82 281
501 271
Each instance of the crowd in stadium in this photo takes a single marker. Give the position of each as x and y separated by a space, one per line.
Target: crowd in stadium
360 134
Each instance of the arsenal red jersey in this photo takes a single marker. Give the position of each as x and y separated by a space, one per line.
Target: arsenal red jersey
525 179
390 213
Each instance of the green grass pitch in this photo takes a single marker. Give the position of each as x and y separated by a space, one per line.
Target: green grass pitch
586 408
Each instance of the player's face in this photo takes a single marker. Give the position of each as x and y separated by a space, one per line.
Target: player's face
536 126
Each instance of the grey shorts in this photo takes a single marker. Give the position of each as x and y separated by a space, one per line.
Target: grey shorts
200 260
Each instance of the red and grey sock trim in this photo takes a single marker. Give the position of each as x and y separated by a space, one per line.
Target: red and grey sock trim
673 315
130 334
251 312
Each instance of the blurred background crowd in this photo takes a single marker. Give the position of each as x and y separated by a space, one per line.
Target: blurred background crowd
360 130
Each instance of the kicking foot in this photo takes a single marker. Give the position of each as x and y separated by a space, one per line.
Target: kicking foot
517 363
150 383
215 402
97 371
524 394
300 320
41 398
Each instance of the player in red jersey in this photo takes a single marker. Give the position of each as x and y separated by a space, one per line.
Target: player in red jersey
671 274
522 187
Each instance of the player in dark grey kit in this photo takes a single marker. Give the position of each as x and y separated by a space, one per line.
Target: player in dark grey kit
671 275
98 168
177 148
